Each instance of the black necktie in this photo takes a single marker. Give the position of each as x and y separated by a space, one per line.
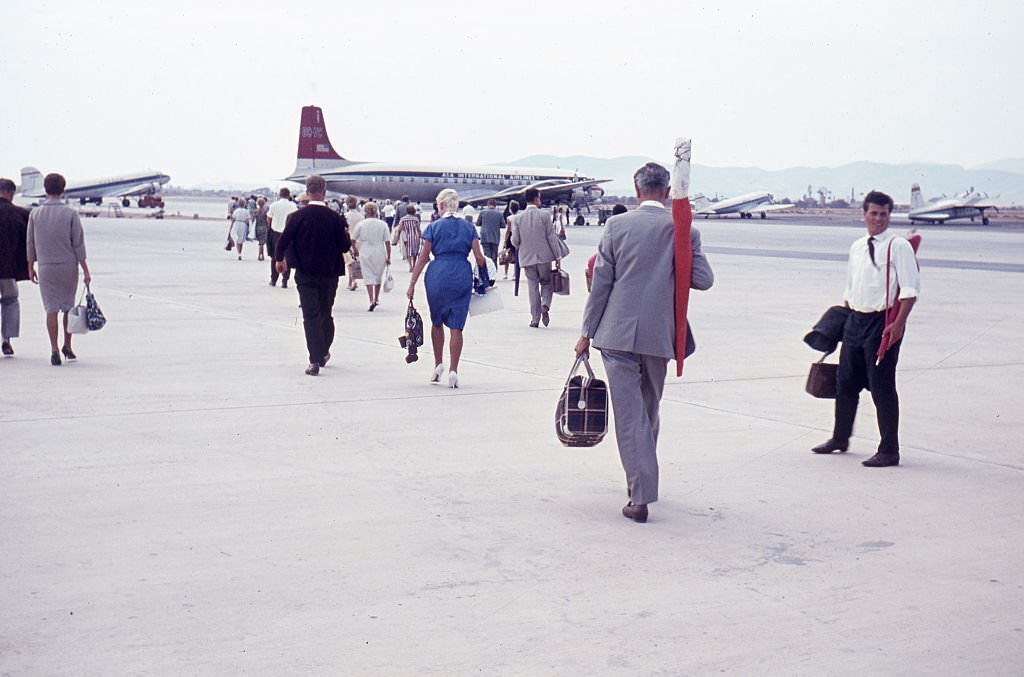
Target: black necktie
871 250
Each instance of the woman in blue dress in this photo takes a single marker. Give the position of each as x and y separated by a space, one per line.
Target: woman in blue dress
449 279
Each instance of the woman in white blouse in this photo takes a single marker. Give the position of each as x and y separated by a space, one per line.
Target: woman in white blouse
372 244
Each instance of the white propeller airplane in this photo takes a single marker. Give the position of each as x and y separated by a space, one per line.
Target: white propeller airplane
966 206
381 180
94 190
744 205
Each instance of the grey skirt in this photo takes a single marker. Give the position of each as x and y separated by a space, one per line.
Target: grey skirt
58 283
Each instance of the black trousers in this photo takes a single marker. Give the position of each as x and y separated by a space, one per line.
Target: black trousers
490 251
316 296
272 237
857 371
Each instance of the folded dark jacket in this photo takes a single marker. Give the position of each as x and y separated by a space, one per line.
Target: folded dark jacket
828 332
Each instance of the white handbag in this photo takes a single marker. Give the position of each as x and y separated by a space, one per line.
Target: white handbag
78 323
389 280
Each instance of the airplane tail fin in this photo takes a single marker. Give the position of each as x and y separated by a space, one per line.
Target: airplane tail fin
31 181
699 201
916 199
315 149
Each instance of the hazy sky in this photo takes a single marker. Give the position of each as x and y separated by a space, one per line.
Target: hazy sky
210 91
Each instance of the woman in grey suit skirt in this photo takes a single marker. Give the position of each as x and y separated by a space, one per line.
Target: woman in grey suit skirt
57 243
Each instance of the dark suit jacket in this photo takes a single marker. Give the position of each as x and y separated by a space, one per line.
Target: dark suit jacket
13 233
315 238
828 332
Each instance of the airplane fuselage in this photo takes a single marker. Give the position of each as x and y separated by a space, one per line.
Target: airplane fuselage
116 186
385 181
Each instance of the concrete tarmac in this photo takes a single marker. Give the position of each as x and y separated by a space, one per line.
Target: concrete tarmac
183 500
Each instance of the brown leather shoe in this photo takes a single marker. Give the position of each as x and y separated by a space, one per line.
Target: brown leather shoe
830 446
637 513
881 460
313 369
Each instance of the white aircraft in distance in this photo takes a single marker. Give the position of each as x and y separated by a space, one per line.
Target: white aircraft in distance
94 190
966 206
744 205
382 180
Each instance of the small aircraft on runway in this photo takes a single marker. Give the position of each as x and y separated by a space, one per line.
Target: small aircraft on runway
744 205
969 205
94 190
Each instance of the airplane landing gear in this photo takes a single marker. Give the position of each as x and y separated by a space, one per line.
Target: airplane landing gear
984 220
125 202
764 216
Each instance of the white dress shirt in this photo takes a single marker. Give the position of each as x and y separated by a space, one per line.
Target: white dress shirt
865 280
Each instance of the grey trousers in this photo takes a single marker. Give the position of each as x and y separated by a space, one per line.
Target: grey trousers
636 382
10 309
538 284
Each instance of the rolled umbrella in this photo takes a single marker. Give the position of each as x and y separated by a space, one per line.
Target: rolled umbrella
682 217
892 312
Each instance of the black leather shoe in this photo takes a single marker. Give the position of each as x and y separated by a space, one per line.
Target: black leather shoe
55 358
535 324
313 369
881 460
830 446
68 354
8 350
637 513
325 359
544 316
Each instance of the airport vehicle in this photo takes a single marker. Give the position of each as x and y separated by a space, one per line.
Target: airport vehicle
475 185
969 205
139 183
744 205
151 200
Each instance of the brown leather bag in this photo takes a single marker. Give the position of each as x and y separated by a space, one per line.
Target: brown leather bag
822 379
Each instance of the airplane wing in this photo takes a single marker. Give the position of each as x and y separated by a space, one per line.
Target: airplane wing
771 207
120 190
546 188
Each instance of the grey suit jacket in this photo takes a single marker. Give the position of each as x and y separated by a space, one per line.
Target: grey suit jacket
533 235
632 299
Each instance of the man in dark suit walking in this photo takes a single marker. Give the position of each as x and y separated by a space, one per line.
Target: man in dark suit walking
316 238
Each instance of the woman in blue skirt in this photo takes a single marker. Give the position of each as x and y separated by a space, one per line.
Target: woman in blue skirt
449 279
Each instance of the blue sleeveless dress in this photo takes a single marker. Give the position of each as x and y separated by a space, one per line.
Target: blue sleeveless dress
449 278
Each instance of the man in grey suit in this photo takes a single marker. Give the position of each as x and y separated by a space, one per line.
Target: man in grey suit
630 317
490 221
533 236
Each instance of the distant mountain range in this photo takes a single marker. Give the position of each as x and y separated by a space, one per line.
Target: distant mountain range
1003 178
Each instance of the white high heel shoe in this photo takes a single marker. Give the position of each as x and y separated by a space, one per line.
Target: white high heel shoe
436 376
453 379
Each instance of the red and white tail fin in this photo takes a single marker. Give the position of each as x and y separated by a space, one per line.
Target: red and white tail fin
315 149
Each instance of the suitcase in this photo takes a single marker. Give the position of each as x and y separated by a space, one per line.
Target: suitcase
581 417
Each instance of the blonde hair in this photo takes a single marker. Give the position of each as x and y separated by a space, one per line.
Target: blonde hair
447 201
370 210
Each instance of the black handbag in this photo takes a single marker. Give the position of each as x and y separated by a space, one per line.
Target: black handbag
822 379
95 317
581 417
413 336
560 282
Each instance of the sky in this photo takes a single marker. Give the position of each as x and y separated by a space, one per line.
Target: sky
210 92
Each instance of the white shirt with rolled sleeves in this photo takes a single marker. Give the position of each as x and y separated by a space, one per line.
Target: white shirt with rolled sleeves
865 281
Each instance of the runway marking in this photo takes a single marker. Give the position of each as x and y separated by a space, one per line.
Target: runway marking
828 256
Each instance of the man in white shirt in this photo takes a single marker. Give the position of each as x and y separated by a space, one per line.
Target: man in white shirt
881 269
277 216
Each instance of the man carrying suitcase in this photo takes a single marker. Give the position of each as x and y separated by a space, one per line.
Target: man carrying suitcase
632 323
